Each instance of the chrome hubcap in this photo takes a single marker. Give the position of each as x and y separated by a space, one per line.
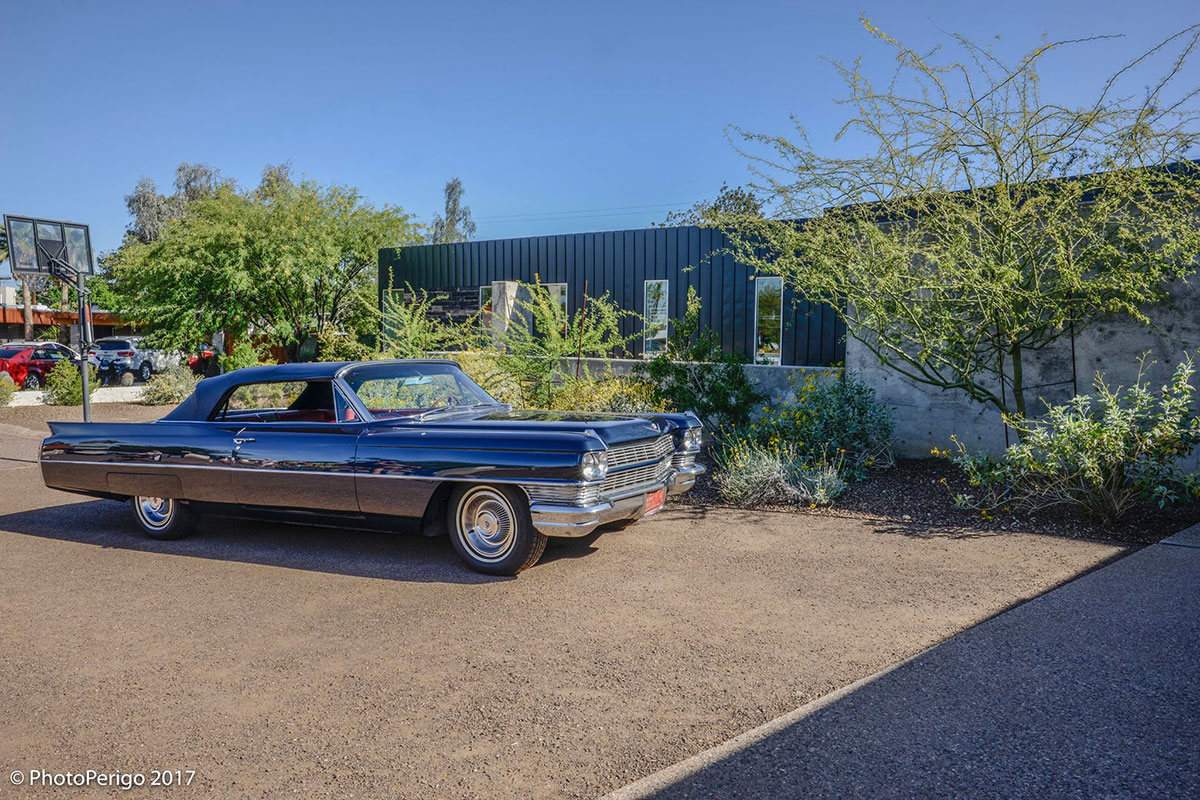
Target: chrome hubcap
155 512
485 524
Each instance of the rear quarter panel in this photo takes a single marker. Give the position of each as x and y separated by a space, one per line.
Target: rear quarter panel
187 460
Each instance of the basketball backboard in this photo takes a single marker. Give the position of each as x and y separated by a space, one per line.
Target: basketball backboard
46 246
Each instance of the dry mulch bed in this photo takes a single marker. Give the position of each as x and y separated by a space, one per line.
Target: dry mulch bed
920 491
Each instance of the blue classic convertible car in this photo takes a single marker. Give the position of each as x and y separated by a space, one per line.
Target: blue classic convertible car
360 444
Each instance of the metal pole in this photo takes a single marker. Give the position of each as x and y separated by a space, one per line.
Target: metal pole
85 339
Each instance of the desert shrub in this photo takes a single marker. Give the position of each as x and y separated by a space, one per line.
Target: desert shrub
832 415
7 388
1098 453
752 473
244 353
338 346
410 328
695 374
171 386
617 394
534 354
483 367
64 384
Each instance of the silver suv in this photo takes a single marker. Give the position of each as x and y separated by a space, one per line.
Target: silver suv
114 356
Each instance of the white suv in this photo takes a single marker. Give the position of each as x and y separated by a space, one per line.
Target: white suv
114 356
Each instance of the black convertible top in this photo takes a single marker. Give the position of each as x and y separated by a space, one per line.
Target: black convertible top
200 405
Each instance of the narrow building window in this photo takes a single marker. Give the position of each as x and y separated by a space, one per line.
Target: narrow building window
558 291
654 337
768 320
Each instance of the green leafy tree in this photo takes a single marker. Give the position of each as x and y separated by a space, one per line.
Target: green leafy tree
730 201
284 262
987 223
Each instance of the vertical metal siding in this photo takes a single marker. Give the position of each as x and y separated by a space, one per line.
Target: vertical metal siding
619 263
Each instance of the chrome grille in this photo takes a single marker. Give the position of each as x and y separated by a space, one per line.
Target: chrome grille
646 450
574 494
638 476
685 460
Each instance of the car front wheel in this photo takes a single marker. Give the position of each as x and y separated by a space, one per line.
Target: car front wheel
163 518
491 530
145 372
32 381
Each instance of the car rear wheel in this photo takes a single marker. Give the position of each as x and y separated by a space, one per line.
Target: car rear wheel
491 530
145 371
32 381
163 518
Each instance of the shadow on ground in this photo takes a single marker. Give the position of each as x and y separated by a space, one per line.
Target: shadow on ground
404 555
1090 690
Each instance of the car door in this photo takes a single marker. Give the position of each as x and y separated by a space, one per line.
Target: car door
295 454
42 360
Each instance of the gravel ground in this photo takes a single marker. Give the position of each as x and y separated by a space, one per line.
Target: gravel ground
919 491
277 659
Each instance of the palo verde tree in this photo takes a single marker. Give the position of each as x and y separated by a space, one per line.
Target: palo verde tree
285 262
984 222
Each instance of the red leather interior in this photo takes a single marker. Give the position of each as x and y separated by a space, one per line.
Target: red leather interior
307 415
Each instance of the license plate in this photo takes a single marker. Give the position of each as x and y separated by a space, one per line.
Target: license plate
654 501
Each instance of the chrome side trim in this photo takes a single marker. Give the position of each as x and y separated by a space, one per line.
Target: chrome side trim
472 479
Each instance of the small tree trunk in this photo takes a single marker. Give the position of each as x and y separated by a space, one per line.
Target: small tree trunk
64 330
1018 381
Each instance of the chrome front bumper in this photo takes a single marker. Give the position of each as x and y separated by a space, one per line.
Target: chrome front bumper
553 519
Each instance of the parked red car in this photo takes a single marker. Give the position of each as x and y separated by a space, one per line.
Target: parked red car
28 365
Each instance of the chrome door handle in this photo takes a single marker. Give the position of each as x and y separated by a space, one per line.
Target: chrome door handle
239 442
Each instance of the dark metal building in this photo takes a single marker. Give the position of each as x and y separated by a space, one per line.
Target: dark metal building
753 316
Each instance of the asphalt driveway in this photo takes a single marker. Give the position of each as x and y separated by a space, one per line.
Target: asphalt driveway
277 659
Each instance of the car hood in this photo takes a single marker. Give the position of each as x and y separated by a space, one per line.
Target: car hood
612 429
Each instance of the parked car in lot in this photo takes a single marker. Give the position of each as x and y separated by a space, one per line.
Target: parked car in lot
364 444
29 363
114 356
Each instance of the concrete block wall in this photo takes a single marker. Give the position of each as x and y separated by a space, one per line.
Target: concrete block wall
926 417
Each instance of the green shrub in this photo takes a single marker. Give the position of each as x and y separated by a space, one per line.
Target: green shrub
1099 454
64 384
244 353
173 385
695 374
483 367
751 473
337 346
831 414
410 328
534 355
614 394
7 388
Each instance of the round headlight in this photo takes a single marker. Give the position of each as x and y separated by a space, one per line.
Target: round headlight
595 466
691 439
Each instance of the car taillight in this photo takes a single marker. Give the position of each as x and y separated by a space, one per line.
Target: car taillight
125 353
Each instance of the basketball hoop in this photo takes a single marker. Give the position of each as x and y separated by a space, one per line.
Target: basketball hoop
62 250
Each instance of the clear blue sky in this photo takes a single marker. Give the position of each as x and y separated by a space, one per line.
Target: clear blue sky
557 116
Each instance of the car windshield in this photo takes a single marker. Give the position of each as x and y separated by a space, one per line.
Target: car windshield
111 345
406 389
